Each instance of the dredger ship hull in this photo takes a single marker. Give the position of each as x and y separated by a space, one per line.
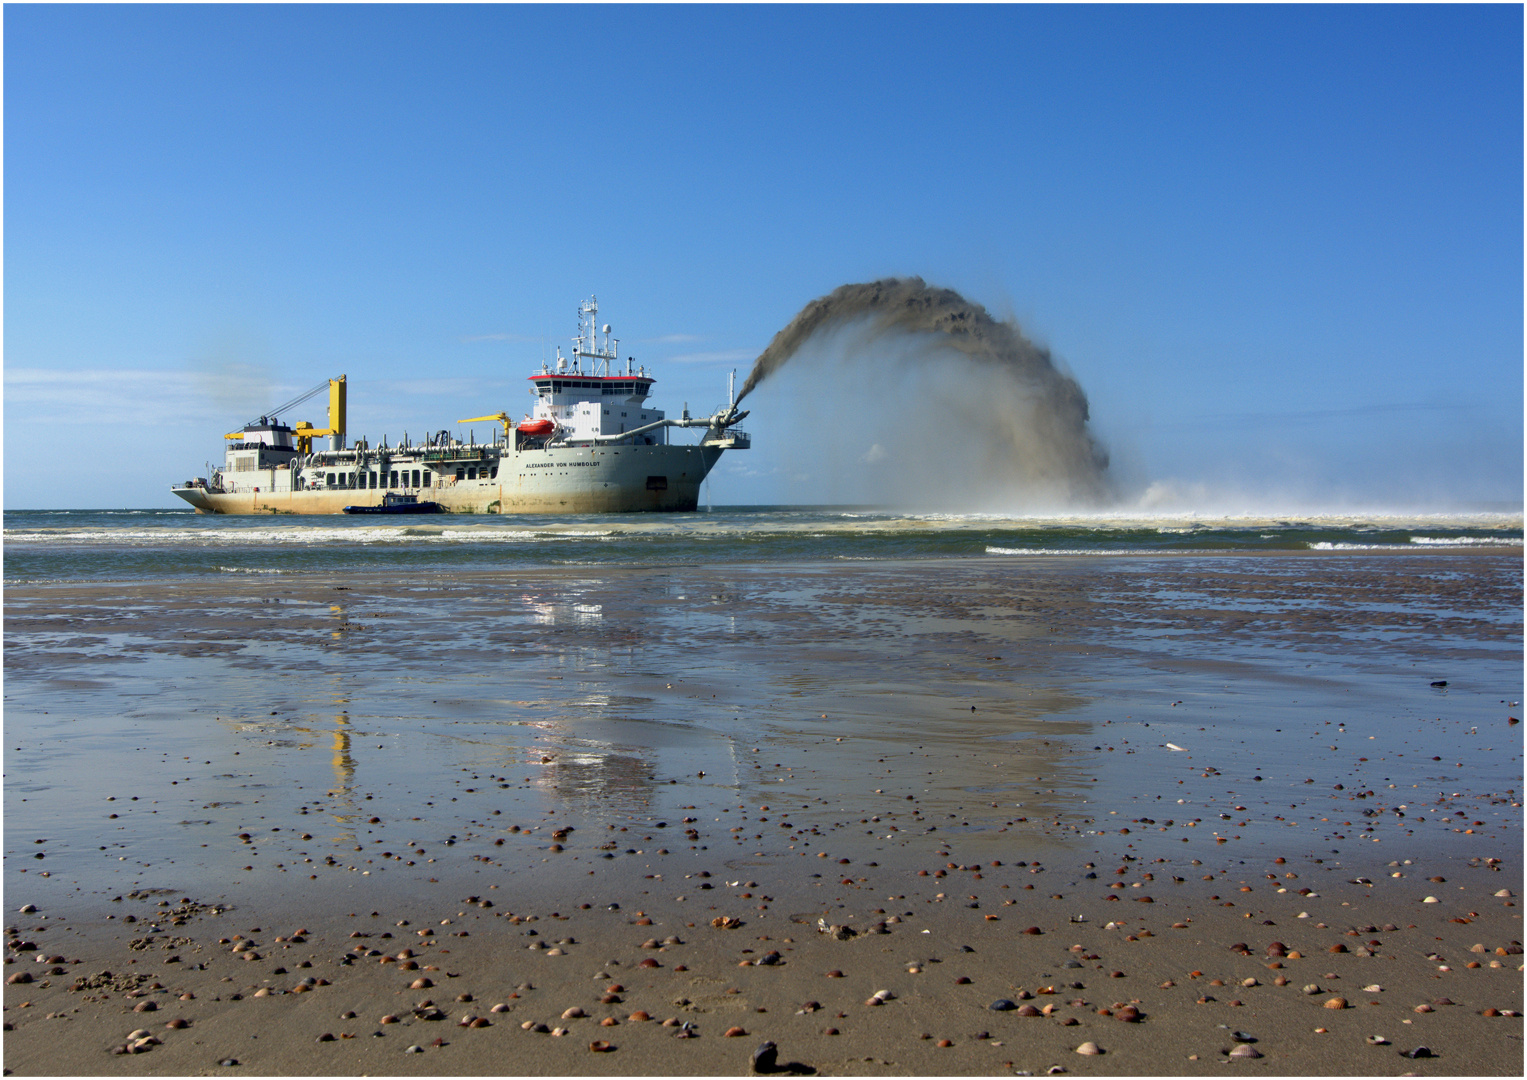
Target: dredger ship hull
560 480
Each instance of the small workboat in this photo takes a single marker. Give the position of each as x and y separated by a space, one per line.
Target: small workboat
395 503
537 427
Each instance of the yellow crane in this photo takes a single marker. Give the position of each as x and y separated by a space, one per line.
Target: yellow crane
303 431
497 418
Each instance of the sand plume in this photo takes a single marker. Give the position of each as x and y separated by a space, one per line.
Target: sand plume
1011 423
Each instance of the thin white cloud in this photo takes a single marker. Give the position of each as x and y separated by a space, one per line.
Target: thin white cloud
49 396
435 388
672 339
473 338
725 356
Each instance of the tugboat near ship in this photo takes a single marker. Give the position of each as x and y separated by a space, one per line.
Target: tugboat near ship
590 444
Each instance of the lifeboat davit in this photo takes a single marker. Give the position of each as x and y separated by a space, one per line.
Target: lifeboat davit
537 427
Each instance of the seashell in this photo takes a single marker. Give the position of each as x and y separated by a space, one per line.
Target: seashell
734 1032
421 983
573 1013
1089 1049
1423 1008
389 1019
1243 1051
1336 1003
639 1016
765 1058
500 1008
599 1046
1027 1010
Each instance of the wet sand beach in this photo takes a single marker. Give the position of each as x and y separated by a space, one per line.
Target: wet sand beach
1179 806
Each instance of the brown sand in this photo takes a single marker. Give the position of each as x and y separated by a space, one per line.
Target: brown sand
66 1023
959 906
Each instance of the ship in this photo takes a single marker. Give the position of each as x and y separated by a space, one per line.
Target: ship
590 444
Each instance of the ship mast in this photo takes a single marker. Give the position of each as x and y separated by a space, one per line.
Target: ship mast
587 344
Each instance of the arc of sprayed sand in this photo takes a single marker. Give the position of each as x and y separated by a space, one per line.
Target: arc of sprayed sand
1059 414
912 306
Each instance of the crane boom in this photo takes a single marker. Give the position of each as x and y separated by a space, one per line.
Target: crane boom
299 399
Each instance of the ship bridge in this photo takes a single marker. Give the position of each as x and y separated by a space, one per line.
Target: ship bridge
586 397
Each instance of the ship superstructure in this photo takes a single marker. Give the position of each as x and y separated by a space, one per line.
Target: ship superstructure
590 444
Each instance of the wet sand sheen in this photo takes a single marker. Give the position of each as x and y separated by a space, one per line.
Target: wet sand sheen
969 737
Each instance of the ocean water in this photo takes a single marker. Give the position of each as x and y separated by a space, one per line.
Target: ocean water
96 545
1339 688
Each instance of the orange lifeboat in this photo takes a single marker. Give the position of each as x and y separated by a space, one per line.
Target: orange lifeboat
537 427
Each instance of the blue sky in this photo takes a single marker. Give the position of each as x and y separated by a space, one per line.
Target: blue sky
1279 247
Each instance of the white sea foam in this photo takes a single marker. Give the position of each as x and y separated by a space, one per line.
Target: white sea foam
991 550
1466 541
1420 541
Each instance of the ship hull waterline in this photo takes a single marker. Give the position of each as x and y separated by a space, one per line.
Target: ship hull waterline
570 480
